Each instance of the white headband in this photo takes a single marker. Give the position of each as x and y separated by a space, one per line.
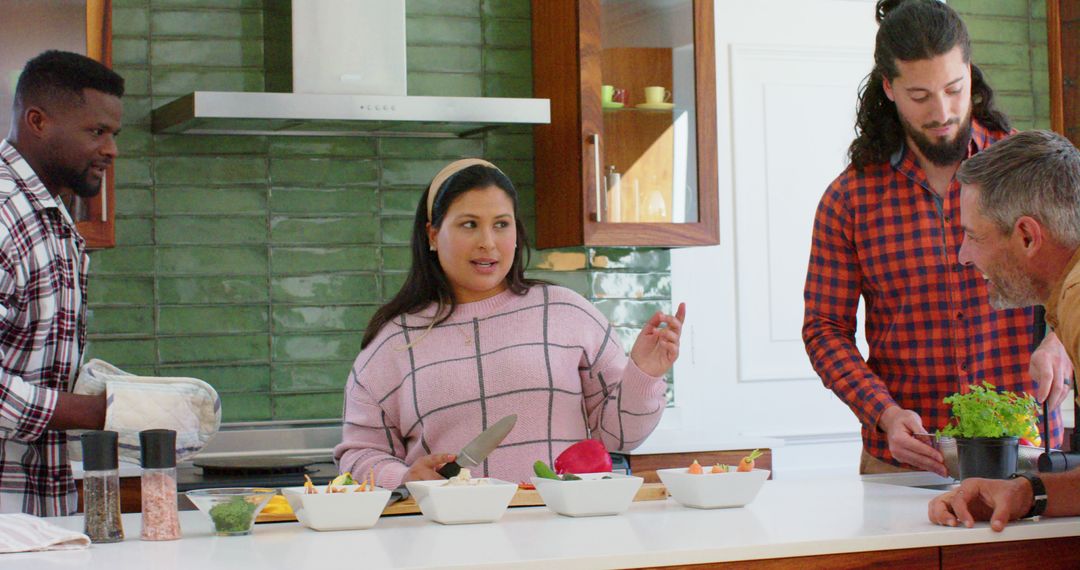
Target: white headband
448 171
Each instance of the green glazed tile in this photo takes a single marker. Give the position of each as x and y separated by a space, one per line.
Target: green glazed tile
1016 105
204 52
507 8
130 51
230 348
217 289
396 258
508 145
630 286
520 172
136 111
225 378
983 29
310 377
333 288
133 172
115 320
447 59
1018 8
627 336
216 145
353 229
391 284
400 202
138 259
432 84
120 291
322 172
397 230
317 347
220 4
136 81
134 231
435 30
130 3
508 86
449 149
134 141
212 260
630 258
209 320
999 54
206 24
414 172
507 33
575 280
1006 79
1039 61
233 201
130 21
309 406
169 81
245 407
122 353
205 170
211 230
293 260
1038 11
321 318
508 61
465 8
630 313
324 200
348 147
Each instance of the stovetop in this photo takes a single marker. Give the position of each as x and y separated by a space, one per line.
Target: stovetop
190 477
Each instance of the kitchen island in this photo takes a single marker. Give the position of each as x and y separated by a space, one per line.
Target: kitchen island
839 522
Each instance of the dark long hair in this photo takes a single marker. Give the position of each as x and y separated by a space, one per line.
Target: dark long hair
427 283
911 30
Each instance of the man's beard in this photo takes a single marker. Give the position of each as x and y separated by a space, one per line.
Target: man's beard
80 182
1010 288
942 153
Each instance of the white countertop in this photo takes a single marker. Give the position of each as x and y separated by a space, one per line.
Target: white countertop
788 518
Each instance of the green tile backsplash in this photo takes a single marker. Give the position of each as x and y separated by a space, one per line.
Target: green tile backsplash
255 262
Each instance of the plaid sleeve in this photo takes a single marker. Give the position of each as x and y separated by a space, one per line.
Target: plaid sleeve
831 298
25 409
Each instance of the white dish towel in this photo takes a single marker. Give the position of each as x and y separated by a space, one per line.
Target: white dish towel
27 533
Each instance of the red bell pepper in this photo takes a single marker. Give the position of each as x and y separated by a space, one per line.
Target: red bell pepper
586 456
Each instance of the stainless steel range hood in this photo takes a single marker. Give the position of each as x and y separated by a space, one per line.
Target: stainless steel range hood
305 114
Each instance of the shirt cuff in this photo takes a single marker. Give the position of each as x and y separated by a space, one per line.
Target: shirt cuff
392 476
635 382
33 410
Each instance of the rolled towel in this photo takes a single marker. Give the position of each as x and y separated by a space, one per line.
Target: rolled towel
27 533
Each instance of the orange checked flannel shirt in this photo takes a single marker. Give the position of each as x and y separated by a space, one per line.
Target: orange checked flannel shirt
884 235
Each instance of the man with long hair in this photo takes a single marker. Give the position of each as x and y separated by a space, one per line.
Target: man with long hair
888 230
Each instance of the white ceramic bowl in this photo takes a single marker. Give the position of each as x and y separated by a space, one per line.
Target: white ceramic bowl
337 511
713 490
462 504
593 495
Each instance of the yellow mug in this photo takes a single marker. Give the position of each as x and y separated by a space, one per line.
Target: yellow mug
656 94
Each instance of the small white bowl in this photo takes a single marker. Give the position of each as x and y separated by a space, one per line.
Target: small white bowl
462 504
713 490
337 511
595 494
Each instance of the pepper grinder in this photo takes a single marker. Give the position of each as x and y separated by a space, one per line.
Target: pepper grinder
101 487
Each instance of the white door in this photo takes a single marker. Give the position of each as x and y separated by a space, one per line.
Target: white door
788 73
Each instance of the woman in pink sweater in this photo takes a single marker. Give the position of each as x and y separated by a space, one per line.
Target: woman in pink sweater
468 340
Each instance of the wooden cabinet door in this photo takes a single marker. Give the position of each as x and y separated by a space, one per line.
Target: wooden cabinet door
664 151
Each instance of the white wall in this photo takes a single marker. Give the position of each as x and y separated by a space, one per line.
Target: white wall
787 78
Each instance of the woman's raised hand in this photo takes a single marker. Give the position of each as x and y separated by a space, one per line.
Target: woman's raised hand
424 468
657 347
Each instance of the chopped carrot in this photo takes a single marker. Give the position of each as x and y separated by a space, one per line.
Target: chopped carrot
309 487
719 468
371 477
747 463
695 468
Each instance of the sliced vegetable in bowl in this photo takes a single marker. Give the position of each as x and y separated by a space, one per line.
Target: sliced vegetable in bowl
713 490
591 494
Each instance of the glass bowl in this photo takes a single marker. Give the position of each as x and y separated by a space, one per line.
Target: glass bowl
232 510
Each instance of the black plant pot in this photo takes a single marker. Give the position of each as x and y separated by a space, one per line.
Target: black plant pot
987 457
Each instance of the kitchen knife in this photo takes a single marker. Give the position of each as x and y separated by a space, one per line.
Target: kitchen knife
476 451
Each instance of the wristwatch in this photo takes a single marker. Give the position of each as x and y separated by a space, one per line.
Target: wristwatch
1038 494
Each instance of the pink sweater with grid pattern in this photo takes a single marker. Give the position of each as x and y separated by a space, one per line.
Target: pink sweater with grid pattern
548 356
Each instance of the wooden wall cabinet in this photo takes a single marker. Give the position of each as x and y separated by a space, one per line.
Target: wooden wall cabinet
1063 43
665 154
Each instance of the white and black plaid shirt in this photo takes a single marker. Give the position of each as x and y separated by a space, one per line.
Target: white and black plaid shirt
43 270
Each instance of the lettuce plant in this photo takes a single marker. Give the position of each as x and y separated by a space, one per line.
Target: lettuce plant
985 412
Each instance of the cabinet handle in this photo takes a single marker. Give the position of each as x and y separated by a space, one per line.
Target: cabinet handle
105 197
596 171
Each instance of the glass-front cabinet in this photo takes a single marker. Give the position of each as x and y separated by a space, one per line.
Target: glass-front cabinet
629 158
